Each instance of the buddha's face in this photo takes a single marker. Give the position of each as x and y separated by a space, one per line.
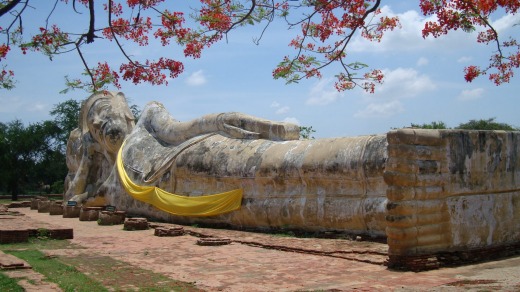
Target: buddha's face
109 123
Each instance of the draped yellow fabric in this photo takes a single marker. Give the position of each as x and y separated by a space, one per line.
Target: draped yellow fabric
209 205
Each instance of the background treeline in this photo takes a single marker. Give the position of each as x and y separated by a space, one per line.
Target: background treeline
32 157
489 124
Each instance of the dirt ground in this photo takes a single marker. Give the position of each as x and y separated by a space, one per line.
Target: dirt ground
262 262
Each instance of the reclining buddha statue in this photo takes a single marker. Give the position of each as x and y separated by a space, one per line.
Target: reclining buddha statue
225 168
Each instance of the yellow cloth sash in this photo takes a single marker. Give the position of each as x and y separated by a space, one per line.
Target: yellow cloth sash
209 205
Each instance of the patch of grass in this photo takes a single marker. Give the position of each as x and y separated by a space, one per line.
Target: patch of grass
9 285
67 277
120 276
75 272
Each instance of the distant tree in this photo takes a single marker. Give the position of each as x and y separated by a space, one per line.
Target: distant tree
66 117
30 156
322 33
306 133
489 124
432 125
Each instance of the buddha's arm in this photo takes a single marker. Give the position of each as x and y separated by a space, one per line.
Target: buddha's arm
235 125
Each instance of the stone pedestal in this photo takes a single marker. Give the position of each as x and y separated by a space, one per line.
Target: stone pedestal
71 211
36 200
111 218
44 206
89 213
136 224
56 208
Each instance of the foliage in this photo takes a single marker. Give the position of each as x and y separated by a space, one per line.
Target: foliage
432 125
306 132
66 117
489 124
324 31
30 156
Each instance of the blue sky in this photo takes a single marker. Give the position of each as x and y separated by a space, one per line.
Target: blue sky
424 79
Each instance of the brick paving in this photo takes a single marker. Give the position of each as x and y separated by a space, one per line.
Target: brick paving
263 262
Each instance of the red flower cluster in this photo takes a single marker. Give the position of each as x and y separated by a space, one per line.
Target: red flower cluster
466 15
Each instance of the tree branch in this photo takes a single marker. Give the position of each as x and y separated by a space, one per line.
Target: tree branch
9 7
91 28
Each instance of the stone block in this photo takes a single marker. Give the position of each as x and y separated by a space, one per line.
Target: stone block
36 200
111 218
71 211
169 231
136 224
56 208
89 213
211 241
44 206
61 233
14 236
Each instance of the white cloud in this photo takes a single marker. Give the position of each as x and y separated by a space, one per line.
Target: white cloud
464 59
381 109
37 107
506 22
471 94
322 93
282 110
409 36
196 79
275 104
403 82
291 120
422 61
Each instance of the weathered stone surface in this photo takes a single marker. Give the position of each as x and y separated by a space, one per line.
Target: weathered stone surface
315 185
463 197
